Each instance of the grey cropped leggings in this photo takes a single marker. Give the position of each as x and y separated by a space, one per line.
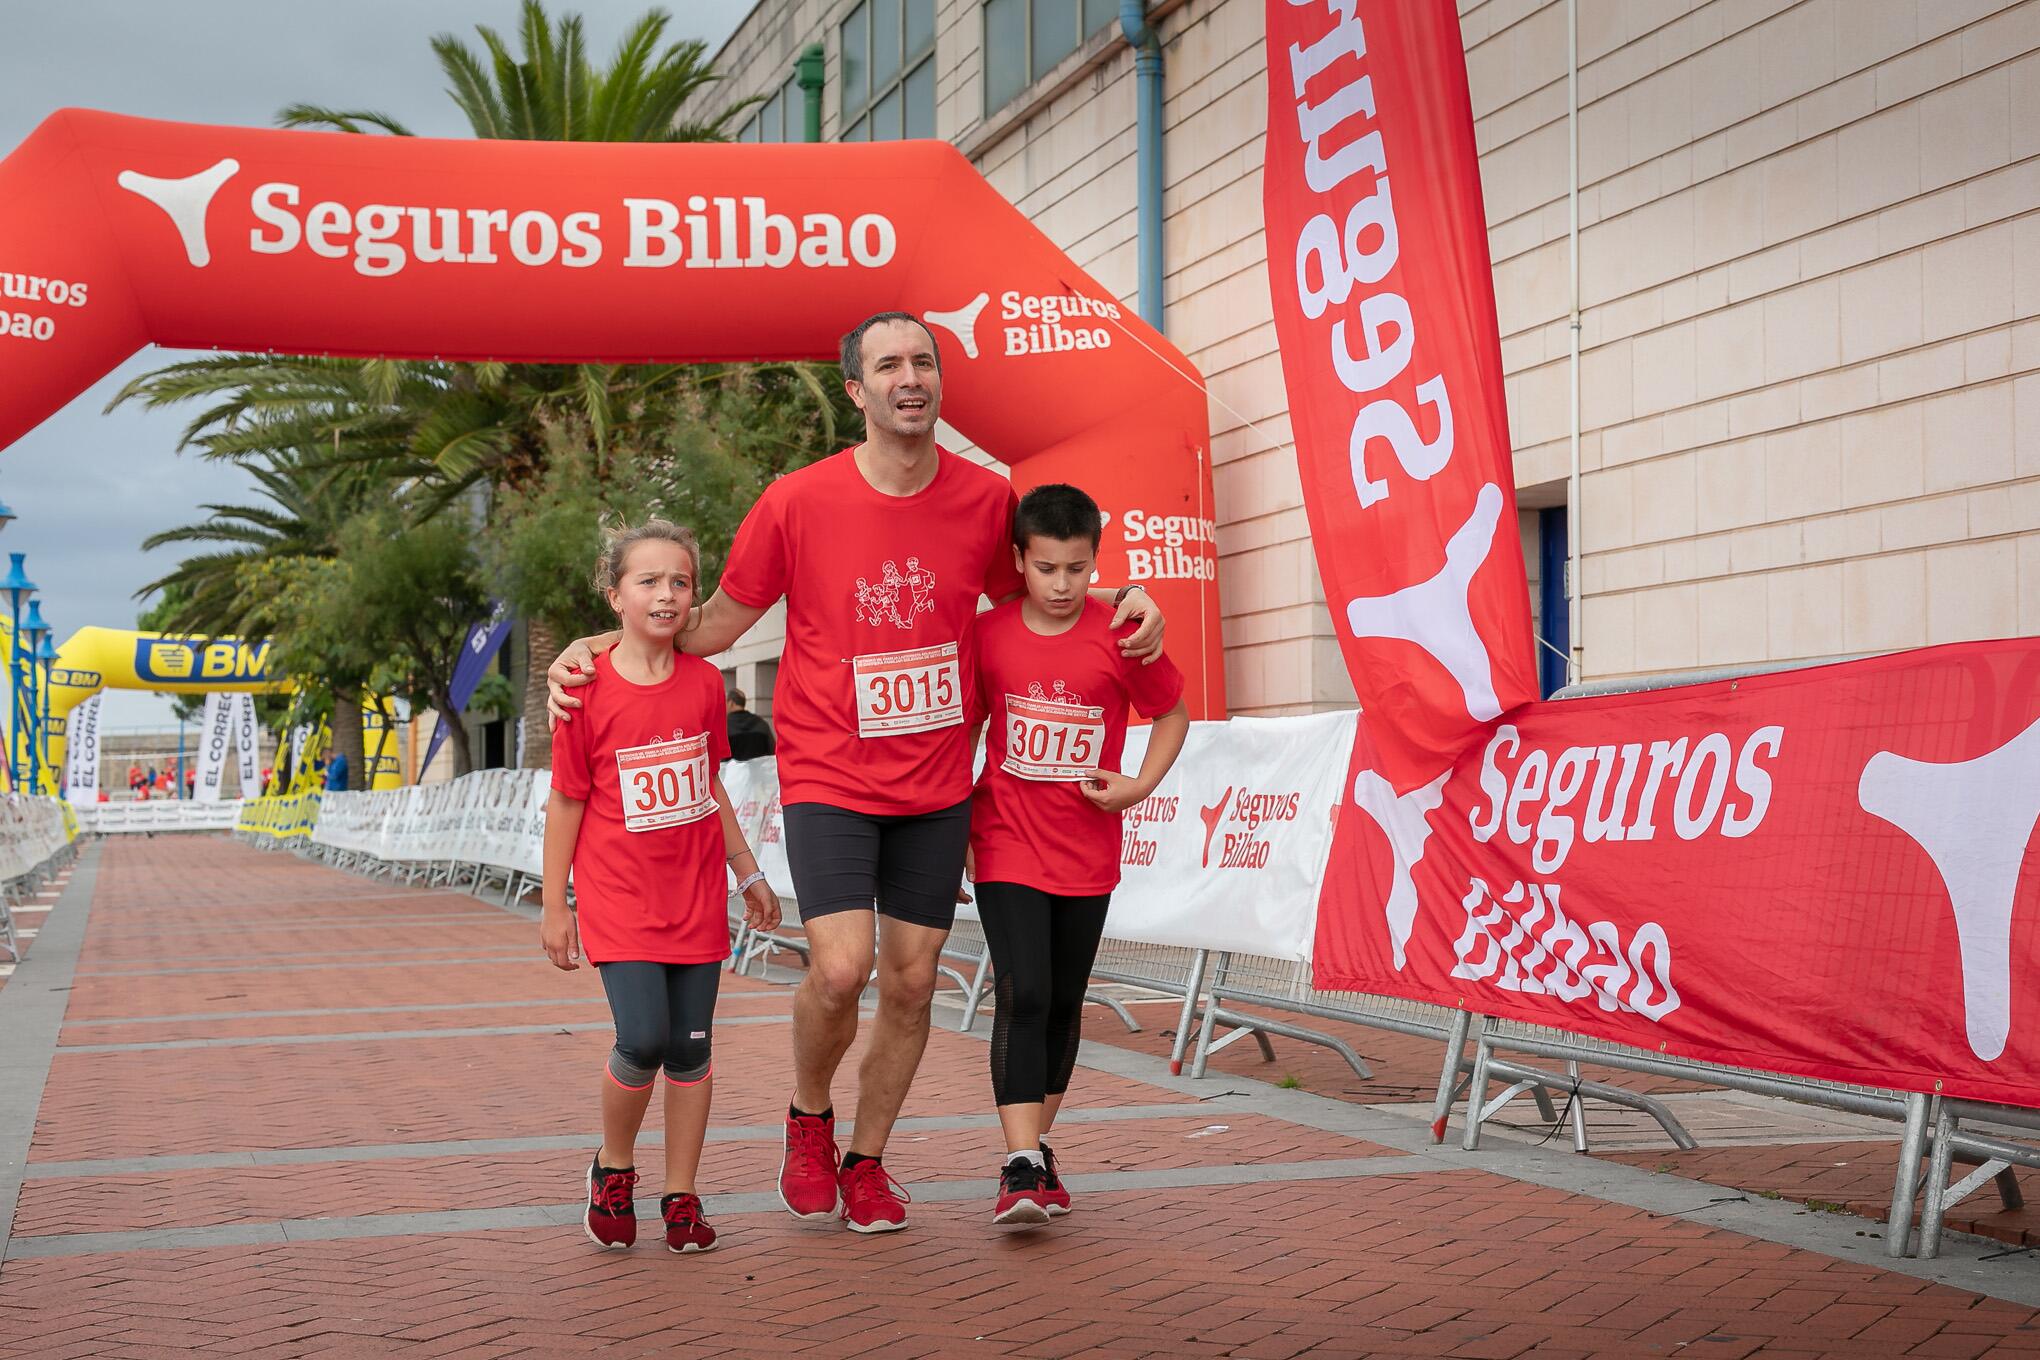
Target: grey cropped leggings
665 1018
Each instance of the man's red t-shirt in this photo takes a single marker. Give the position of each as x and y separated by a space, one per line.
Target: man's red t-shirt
1058 709
650 883
880 593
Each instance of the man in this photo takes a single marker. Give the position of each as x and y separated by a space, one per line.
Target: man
750 735
874 757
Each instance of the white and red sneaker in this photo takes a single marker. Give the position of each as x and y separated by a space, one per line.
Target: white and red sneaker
610 1220
1021 1195
808 1183
686 1228
1053 1193
873 1202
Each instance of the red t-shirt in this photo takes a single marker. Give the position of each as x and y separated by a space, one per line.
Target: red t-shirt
880 593
649 878
1058 708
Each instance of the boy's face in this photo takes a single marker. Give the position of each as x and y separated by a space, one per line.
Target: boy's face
1058 572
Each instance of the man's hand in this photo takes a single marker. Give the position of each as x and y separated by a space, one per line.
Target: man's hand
761 906
1144 644
572 668
561 937
1110 791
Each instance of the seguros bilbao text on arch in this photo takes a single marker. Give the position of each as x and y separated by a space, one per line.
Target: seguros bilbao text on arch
713 233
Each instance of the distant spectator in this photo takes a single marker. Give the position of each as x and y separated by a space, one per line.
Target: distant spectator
750 735
151 779
134 778
104 797
336 774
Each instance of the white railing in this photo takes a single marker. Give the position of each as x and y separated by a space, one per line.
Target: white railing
158 814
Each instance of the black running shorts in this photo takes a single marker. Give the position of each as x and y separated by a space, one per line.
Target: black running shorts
909 868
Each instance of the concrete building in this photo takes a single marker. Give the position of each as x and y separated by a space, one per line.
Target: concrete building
1808 290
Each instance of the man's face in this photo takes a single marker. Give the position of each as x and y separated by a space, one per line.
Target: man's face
902 390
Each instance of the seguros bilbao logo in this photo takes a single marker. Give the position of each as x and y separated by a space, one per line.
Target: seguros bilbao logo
1239 816
1032 323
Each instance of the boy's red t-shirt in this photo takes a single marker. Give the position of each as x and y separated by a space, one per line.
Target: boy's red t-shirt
1057 707
880 592
650 883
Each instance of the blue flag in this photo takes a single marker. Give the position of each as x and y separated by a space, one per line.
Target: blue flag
484 640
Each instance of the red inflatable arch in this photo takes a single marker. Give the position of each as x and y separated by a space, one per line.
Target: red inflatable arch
117 232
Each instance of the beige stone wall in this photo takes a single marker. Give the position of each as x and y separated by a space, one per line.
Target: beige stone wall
1810 277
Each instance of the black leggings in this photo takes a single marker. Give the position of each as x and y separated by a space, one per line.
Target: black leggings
665 1017
1042 947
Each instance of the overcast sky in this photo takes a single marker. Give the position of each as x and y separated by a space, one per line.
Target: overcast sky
87 487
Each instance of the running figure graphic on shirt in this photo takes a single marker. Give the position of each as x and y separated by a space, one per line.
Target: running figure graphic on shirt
1059 695
881 603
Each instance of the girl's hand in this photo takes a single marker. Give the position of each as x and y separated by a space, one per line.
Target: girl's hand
969 873
1110 791
561 938
761 906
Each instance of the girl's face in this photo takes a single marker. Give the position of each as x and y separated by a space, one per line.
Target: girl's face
654 590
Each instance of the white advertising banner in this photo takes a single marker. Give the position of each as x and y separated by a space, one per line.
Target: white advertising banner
1228 853
81 776
215 731
248 741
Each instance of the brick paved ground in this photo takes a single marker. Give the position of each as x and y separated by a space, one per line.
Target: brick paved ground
291 1112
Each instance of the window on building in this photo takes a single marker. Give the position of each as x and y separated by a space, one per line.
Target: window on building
1025 39
888 70
781 118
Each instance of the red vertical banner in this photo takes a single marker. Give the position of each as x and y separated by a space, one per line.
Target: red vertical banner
1384 308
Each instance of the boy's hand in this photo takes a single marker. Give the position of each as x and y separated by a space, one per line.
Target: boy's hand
572 668
561 938
761 906
1110 791
1144 644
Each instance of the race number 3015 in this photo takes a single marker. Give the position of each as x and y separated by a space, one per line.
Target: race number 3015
1052 743
665 783
913 691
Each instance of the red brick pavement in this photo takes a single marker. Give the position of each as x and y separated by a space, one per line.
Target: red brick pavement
260 1194
1458 1263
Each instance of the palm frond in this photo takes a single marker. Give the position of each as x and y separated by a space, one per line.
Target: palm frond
339 120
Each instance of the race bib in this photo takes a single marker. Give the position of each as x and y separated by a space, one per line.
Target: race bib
914 691
665 783
1052 743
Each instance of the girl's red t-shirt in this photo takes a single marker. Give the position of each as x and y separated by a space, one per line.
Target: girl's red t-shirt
1058 708
650 883
880 592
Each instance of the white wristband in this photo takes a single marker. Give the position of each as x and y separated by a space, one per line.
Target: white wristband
743 886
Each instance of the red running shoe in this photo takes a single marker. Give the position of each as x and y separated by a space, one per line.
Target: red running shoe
1053 1193
873 1202
807 1169
1021 1195
686 1229
611 1220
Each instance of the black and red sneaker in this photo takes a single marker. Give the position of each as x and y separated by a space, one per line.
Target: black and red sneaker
686 1228
1021 1195
1053 1193
611 1219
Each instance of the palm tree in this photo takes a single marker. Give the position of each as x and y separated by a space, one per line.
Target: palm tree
230 589
451 427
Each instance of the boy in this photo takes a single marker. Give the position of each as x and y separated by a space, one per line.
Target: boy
1045 833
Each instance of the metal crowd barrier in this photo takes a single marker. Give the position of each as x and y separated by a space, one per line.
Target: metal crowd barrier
36 844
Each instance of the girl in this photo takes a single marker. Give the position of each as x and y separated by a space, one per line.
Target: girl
639 813
1044 832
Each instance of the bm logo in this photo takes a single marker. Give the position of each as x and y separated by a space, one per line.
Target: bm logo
175 661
